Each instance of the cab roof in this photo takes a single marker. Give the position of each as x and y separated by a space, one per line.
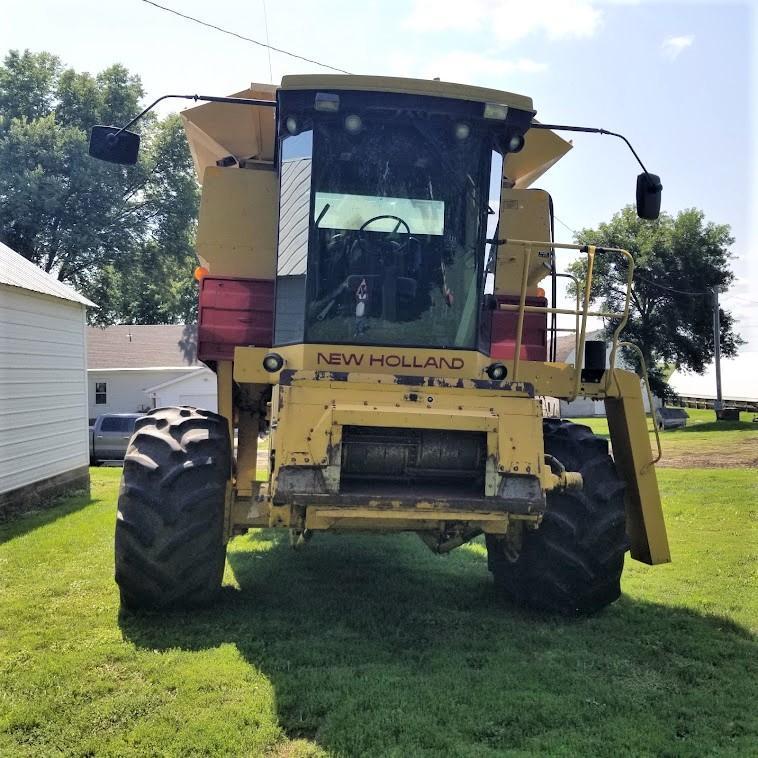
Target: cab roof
218 130
429 87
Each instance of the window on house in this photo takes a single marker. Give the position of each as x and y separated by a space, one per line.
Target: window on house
101 395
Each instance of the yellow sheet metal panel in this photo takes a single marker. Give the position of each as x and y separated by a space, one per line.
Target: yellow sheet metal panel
247 452
348 519
370 365
219 130
524 215
236 232
308 417
248 366
542 150
408 415
631 450
389 361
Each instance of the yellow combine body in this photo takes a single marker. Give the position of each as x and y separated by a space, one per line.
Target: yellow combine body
404 380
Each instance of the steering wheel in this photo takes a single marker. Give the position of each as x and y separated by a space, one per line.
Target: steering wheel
366 244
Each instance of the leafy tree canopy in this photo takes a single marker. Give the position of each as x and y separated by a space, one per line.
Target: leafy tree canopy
121 235
679 260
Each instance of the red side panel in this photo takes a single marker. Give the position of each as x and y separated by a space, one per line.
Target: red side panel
234 312
534 339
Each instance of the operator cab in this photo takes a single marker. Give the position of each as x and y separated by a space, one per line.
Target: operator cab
383 215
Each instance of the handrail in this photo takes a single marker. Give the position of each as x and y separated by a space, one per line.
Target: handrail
643 368
581 313
521 311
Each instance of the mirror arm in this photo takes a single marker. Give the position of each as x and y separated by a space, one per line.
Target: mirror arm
591 130
196 98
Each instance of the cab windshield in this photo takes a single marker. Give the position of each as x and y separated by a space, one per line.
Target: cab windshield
396 234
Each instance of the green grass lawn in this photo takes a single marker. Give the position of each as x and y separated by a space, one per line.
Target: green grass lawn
373 646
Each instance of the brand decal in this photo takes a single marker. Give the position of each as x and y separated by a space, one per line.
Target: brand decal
371 360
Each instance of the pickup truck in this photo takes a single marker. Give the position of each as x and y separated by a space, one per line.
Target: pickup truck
109 436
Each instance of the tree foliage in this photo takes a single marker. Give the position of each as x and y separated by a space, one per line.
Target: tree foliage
123 236
679 260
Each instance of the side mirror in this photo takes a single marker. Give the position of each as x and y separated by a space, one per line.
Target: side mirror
649 190
109 143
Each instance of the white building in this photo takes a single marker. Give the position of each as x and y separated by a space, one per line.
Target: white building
583 407
44 442
135 368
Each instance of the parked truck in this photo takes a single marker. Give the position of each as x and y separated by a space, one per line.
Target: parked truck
109 436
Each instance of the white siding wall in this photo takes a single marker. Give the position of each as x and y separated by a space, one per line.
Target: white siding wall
43 388
198 389
125 388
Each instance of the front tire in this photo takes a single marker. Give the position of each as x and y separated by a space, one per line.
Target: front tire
169 544
572 563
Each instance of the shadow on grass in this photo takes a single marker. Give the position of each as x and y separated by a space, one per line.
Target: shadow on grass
376 646
45 514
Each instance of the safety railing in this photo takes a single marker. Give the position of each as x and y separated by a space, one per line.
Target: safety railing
582 311
644 377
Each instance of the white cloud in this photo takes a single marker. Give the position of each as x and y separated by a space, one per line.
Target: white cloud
508 20
514 20
673 47
441 15
462 66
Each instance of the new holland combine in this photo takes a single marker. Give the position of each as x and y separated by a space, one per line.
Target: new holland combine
372 263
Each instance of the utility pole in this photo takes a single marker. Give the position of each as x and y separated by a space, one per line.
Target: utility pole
718 405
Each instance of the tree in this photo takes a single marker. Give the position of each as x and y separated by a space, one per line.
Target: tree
678 262
121 235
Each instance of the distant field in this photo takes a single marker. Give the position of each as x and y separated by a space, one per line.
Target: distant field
703 443
372 646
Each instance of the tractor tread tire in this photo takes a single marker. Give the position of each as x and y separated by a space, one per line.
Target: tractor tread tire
169 543
572 564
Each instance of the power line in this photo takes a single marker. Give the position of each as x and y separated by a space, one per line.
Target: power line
242 37
564 224
672 289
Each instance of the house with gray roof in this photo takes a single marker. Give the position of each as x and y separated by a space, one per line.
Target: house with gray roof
133 368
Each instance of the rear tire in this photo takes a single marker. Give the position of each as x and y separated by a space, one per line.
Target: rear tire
170 548
572 564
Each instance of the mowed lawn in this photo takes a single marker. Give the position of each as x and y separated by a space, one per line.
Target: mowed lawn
703 443
373 646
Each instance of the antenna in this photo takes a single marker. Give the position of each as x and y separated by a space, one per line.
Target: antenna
268 45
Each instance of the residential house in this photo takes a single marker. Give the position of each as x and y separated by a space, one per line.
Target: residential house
135 368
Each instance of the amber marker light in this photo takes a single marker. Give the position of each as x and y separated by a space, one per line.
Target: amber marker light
200 272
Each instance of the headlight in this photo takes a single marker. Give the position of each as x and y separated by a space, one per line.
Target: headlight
272 362
496 371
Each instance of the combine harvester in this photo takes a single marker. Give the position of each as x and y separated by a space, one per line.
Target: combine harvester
352 304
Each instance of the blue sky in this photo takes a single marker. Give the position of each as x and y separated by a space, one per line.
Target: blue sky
677 78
